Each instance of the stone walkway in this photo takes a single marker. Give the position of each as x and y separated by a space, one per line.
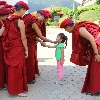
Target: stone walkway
45 87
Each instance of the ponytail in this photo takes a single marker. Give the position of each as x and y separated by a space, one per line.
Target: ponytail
66 40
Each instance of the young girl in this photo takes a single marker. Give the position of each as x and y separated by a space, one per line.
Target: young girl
59 54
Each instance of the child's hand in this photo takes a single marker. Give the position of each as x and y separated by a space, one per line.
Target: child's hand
61 62
43 44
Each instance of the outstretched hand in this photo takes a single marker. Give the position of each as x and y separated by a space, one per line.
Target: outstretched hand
43 44
55 42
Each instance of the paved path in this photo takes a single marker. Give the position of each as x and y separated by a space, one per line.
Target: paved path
45 87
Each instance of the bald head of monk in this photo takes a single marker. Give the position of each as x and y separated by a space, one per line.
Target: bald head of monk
68 25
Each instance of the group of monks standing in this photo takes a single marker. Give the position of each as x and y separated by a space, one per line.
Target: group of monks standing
19 33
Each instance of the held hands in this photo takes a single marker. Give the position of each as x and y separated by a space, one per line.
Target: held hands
55 42
43 44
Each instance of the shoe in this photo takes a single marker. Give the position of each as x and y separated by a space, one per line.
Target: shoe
38 74
32 82
22 95
95 94
59 82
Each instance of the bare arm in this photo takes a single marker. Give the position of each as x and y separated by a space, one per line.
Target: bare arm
62 52
84 33
2 30
21 25
35 27
44 45
62 56
50 46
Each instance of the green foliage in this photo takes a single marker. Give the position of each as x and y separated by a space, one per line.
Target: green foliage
90 15
66 10
67 13
98 1
87 8
52 23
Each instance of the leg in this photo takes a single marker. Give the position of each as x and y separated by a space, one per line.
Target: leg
16 80
60 70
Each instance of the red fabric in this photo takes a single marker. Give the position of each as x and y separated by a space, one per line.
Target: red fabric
5 11
31 61
8 6
23 4
45 13
81 48
14 55
2 2
2 65
82 54
65 22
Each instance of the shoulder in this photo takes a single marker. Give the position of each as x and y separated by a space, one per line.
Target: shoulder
82 29
61 45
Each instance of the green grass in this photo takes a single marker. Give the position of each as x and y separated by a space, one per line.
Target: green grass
91 15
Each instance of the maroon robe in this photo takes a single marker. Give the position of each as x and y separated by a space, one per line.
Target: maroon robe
82 54
32 60
14 55
2 63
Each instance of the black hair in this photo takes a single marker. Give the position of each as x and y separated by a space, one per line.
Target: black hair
63 37
18 7
71 24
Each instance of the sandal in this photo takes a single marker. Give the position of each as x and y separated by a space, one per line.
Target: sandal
32 82
22 95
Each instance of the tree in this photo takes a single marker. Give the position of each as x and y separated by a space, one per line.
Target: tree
98 1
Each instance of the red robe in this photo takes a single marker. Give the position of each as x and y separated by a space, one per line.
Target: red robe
14 55
2 63
82 54
32 60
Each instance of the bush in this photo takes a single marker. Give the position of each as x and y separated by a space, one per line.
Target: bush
66 10
68 13
98 1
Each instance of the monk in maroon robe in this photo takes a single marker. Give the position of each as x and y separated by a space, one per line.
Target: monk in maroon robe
15 51
86 51
33 31
4 12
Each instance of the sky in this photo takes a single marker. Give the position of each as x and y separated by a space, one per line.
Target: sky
12 2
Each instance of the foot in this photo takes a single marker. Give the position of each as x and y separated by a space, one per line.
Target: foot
59 82
22 95
39 74
32 82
